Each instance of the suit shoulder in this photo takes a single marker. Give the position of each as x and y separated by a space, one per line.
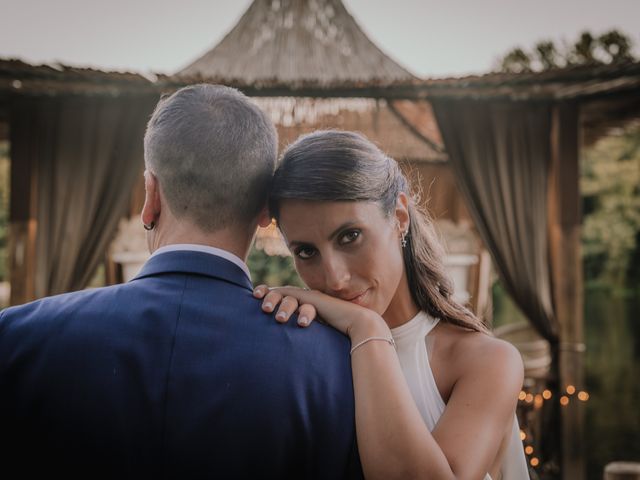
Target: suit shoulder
320 344
63 300
46 312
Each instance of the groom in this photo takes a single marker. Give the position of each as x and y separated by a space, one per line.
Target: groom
179 373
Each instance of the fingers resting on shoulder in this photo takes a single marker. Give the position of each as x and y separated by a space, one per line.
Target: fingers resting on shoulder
277 300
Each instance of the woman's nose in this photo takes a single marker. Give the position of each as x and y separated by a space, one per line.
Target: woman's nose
337 274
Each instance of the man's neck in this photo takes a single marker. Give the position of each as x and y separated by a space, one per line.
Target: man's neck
230 240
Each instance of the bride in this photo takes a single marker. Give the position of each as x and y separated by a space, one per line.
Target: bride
435 392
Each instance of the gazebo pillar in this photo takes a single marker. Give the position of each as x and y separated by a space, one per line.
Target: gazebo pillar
567 278
22 224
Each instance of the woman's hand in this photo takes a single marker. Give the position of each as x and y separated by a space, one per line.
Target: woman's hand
353 320
286 305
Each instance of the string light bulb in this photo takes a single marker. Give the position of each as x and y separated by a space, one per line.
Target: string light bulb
538 401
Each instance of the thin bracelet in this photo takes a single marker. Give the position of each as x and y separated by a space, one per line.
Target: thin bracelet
389 340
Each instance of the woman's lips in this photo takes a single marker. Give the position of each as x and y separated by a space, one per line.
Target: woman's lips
359 298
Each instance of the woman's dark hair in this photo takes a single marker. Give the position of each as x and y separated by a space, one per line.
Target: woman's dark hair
333 165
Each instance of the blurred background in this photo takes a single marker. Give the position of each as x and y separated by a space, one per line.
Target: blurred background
554 85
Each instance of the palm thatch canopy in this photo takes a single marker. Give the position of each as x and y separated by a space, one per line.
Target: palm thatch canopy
297 42
18 77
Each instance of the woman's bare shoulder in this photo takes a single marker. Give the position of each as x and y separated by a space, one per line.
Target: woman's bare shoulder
481 355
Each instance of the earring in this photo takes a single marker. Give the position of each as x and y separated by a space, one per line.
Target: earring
149 226
403 241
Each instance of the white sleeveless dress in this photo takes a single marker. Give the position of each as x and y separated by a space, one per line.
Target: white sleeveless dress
414 360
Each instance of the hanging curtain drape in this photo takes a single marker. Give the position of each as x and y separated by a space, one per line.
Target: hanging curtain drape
501 153
87 153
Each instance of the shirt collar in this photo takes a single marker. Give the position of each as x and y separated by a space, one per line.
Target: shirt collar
192 247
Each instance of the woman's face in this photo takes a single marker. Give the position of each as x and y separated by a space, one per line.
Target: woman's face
351 250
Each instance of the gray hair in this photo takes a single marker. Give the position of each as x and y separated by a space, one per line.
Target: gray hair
334 165
213 153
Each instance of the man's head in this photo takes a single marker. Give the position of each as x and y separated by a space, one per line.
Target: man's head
211 154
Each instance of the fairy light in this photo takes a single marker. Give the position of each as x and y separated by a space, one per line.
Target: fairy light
584 396
538 401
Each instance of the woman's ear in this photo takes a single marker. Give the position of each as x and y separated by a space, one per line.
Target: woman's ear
402 212
152 205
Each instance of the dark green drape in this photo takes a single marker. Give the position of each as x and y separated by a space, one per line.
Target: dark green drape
87 153
500 152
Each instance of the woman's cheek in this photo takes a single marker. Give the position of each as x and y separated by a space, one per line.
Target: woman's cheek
308 276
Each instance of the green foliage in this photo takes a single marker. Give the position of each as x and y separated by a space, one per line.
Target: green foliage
516 61
548 55
617 45
274 271
583 51
610 47
610 184
505 310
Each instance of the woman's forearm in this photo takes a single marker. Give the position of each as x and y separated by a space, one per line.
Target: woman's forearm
393 439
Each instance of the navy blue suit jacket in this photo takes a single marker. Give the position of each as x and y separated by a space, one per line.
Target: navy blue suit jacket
176 374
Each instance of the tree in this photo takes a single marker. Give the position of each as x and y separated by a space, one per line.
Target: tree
610 185
609 48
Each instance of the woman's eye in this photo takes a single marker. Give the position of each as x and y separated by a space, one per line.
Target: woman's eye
349 237
305 252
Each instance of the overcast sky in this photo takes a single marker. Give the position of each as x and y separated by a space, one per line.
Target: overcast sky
431 38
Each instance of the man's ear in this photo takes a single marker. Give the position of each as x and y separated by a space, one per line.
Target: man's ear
264 219
152 204
402 212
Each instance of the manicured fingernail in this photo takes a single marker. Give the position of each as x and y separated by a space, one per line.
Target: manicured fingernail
281 315
267 306
303 321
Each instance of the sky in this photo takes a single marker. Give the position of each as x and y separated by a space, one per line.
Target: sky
430 38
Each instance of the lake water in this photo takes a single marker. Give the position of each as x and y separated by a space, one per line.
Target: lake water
612 373
612 376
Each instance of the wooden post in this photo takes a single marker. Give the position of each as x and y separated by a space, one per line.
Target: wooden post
566 272
22 222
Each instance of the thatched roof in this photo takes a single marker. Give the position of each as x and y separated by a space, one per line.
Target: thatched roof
571 83
18 77
296 42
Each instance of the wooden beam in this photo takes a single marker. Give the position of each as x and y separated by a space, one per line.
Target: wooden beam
567 279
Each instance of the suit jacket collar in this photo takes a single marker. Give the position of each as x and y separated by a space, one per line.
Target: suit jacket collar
197 263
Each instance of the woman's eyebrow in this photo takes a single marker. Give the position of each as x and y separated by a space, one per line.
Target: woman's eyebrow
347 224
296 243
